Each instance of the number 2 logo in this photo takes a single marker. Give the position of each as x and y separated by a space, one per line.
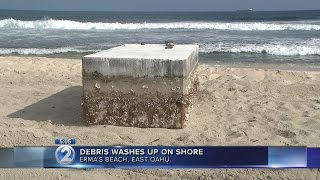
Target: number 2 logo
65 154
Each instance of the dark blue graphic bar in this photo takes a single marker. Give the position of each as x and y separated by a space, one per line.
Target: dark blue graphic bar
313 157
66 156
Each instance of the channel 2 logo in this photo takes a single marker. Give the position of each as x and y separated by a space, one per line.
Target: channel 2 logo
65 155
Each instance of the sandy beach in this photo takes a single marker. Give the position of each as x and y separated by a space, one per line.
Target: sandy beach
41 99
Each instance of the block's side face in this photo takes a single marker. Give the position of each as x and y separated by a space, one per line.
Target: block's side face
190 80
190 63
138 102
189 71
113 67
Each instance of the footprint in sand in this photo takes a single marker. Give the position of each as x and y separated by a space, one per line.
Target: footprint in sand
235 134
183 138
127 139
286 133
303 132
305 114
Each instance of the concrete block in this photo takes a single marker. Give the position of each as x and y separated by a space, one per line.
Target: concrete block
140 85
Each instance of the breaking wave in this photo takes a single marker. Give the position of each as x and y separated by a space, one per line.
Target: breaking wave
74 25
308 47
272 49
279 50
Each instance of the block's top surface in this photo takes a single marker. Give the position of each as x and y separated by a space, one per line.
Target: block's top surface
147 51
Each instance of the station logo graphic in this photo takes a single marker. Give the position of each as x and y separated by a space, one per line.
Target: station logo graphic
65 155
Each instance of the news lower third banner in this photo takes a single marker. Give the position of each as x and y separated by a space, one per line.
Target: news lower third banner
68 156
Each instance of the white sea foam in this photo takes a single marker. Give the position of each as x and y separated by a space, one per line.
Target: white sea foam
38 51
74 25
273 49
280 50
284 48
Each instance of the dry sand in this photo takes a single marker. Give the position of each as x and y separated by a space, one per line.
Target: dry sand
40 100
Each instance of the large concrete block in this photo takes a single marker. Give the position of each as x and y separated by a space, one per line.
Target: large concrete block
140 85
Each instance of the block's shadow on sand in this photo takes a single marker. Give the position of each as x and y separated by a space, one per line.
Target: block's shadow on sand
61 108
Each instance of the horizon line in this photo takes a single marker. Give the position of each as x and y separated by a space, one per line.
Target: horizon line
154 11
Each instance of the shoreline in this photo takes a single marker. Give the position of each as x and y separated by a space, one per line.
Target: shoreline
283 67
245 65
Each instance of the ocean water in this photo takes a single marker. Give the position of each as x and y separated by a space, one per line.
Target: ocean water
239 37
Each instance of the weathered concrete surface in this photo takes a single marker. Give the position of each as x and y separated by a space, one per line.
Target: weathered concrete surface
140 85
